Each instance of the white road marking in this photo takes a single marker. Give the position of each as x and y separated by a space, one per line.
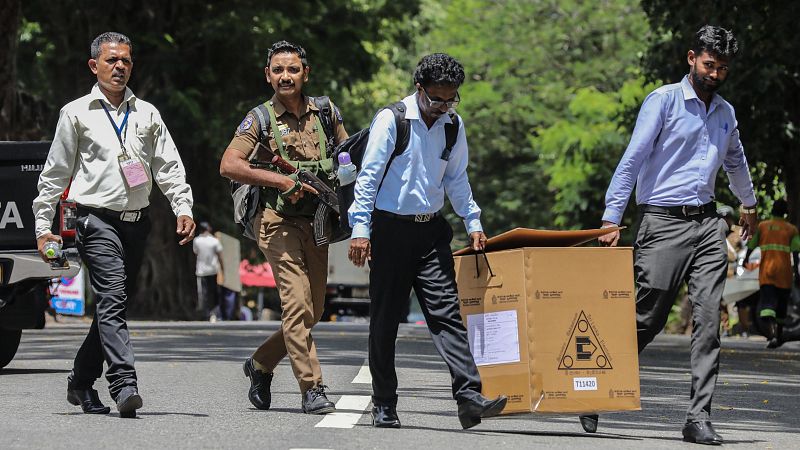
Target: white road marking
363 375
346 419
353 403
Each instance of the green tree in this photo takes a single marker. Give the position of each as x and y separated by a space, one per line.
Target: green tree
763 84
533 65
580 151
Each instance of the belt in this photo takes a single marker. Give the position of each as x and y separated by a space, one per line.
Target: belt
133 215
421 218
707 210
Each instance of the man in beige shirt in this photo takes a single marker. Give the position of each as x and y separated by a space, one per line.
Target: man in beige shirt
112 146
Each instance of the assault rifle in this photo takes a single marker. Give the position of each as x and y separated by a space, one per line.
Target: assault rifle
328 200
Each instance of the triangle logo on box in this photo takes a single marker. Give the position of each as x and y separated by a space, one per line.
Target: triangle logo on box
583 350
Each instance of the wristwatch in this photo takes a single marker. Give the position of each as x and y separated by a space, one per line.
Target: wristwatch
747 209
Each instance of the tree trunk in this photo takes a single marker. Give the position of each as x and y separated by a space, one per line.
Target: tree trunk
166 288
791 172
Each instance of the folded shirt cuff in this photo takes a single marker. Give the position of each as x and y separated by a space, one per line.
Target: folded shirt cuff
473 225
184 210
613 217
360 231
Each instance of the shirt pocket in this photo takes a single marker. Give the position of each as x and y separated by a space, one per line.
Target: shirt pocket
144 139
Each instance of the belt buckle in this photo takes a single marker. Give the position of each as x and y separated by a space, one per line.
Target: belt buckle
422 217
689 210
130 216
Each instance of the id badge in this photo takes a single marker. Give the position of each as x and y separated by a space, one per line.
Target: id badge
134 172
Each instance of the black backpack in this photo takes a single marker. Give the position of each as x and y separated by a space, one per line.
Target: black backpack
356 146
245 197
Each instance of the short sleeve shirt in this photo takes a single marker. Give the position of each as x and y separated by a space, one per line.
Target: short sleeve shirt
299 134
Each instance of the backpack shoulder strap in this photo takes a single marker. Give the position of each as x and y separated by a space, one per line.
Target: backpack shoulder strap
403 128
450 136
262 114
402 138
325 117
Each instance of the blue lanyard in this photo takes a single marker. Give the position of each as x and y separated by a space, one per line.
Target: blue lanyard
119 129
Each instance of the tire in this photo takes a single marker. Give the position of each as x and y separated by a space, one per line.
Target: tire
9 342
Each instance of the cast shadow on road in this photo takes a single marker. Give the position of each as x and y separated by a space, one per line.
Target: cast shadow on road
165 413
31 371
139 415
612 436
274 410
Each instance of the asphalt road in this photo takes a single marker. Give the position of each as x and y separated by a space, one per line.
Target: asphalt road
195 396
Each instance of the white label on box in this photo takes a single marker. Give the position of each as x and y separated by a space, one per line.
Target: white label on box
585 384
493 337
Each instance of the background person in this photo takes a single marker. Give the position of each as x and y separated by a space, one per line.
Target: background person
208 269
777 239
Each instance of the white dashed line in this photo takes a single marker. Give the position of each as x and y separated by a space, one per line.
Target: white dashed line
363 377
346 419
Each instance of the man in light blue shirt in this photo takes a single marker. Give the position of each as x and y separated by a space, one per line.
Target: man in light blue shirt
684 134
398 227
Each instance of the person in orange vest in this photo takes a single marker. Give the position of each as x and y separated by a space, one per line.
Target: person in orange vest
777 239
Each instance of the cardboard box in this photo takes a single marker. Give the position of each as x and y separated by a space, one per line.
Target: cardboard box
554 329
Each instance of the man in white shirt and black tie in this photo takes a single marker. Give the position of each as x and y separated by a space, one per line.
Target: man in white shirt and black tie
109 147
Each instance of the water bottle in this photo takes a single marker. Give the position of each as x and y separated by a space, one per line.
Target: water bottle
52 249
347 170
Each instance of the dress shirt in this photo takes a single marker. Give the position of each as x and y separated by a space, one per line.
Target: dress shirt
417 180
676 150
85 148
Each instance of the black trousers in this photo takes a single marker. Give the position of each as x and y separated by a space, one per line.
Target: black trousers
773 302
670 251
208 296
404 255
112 251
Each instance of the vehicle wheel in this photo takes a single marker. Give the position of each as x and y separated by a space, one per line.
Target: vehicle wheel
9 341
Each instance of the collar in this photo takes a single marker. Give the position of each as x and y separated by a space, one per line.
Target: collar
280 109
413 112
689 93
97 94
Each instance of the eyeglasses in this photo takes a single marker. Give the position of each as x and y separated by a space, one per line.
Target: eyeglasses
436 104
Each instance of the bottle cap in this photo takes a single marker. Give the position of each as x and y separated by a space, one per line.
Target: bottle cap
50 252
344 158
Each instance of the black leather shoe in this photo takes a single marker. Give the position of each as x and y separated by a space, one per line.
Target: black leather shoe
316 402
128 401
777 338
775 342
260 382
88 400
701 433
385 417
470 412
589 422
